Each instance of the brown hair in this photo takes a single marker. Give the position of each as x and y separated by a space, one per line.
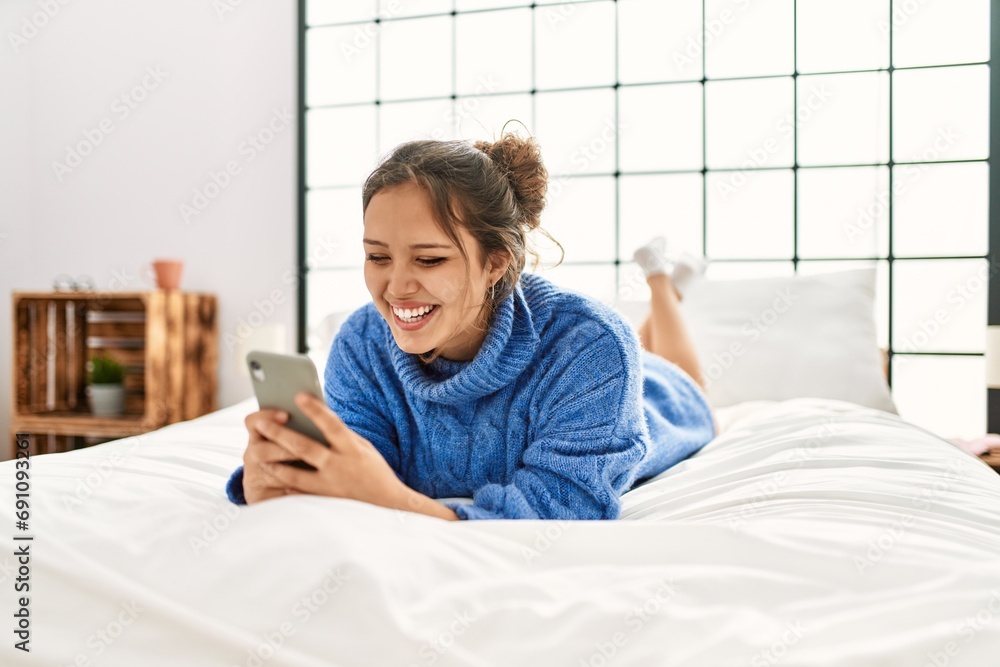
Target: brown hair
495 190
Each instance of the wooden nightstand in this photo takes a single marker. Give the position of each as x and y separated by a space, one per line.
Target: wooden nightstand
992 460
167 340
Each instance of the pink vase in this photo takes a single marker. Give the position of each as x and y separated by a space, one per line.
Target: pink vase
168 273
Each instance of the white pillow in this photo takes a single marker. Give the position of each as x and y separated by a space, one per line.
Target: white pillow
782 338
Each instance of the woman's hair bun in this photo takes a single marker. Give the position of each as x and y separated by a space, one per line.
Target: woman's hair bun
520 160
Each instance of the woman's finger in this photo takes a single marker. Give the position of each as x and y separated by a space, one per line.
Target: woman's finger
279 416
296 445
337 433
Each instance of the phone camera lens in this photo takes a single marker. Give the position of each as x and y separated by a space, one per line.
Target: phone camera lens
256 372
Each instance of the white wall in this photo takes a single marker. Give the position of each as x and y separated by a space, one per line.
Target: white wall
223 77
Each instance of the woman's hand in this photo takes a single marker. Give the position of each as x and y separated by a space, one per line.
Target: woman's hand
350 468
257 483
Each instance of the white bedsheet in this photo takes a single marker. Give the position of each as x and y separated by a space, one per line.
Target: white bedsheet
810 532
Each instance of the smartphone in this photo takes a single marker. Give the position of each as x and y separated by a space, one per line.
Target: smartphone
277 378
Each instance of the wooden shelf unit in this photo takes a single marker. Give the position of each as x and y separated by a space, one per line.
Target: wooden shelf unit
167 340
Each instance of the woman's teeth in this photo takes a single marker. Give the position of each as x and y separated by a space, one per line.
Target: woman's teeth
414 314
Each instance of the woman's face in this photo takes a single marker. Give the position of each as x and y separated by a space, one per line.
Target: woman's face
412 265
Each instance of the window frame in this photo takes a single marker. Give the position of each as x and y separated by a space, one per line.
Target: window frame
993 298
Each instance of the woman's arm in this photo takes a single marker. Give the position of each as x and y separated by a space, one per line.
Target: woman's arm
351 395
350 467
414 501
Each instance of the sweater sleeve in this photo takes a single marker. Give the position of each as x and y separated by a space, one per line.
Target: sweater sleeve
234 487
590 437
350 391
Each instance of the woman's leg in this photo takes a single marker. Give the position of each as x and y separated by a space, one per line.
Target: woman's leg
665 333
644 335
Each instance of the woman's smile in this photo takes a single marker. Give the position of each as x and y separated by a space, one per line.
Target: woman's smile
413 319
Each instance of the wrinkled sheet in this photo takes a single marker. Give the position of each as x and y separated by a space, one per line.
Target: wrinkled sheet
810 532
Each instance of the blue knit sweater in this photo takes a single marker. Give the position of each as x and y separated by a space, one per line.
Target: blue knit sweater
559 413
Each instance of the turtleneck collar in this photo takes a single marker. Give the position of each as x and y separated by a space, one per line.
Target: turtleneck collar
508 348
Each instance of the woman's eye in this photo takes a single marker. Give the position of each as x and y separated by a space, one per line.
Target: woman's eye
378 259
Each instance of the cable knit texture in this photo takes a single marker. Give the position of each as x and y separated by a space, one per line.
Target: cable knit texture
559 413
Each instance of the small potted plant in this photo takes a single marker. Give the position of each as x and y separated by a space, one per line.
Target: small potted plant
106 387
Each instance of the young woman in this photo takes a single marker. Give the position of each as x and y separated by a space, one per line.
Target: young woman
466 377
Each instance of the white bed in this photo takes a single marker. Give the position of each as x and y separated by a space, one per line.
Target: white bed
810 532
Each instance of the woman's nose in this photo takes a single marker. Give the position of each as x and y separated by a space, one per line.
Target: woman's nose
401 280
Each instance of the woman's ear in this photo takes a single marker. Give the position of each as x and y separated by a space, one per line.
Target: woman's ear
499 261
